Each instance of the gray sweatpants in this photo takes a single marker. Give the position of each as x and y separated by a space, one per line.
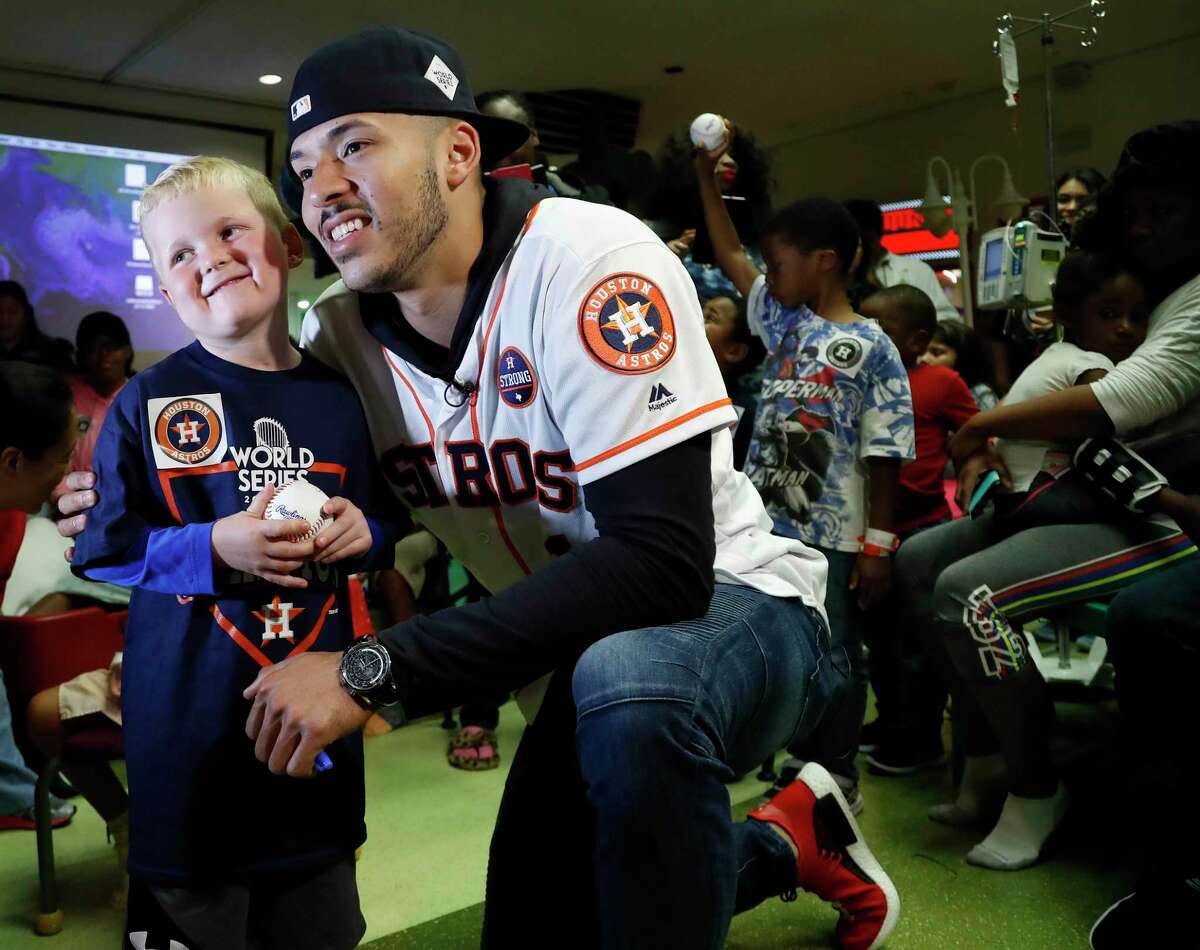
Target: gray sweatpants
970 584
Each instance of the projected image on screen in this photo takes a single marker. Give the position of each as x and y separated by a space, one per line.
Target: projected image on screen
69 234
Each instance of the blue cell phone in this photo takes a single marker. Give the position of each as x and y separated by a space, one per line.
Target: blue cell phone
983 490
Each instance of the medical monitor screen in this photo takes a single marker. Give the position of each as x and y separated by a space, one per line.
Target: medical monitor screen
993 254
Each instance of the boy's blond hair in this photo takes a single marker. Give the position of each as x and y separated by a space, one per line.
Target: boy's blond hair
208 171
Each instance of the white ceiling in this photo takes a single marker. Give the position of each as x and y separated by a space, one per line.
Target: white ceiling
787 68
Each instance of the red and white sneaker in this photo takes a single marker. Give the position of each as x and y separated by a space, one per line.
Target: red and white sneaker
834 861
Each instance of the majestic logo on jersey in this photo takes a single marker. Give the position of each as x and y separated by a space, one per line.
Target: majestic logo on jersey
661 397
272 460
515 379
188 430
626 325
277 620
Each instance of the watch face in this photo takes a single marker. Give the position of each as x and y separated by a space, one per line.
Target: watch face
365 667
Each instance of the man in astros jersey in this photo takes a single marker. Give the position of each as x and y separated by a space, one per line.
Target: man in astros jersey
541 396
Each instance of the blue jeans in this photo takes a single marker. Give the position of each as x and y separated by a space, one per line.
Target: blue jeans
629 843
16 778
839 745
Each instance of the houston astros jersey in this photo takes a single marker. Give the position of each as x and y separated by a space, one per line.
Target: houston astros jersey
188 441
589 355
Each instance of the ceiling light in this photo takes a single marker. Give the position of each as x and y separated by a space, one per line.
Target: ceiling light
270 79
303 304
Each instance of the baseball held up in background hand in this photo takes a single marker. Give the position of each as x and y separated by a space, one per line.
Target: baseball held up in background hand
301 501
707 131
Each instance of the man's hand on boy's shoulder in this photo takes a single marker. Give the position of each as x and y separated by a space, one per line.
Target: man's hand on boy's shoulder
247 542
73 497
300 707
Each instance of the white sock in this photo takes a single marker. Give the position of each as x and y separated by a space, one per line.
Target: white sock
979 796
1024 826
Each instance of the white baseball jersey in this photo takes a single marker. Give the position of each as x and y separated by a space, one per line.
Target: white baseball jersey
590 355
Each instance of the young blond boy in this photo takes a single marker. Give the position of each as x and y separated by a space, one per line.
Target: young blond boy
186 462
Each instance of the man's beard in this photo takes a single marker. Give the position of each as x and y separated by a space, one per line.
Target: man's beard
411 240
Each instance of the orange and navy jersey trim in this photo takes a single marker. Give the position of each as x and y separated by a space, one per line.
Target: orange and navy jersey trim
651 433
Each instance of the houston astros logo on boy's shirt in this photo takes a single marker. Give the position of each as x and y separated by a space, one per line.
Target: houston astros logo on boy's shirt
277 620
187 430
846 353
626 325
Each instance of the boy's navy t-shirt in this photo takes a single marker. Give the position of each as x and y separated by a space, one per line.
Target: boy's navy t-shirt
189 441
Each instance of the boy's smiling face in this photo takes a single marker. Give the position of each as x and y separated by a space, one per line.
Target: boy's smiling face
221 264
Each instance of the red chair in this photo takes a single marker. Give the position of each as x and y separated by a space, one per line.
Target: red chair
35 654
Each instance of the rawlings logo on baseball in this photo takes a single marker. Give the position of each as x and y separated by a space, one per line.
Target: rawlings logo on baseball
301 500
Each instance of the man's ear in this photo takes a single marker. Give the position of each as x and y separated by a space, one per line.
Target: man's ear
294 245
464 153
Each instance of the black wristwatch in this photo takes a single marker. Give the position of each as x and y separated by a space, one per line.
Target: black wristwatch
366 673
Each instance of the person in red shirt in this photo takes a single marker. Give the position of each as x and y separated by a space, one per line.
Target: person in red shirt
35 445
906 734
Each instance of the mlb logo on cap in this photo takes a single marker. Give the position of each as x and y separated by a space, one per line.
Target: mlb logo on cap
301 106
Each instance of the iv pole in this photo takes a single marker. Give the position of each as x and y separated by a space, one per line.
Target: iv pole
1045 26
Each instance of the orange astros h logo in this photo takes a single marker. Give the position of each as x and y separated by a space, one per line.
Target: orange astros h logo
188 431
626 325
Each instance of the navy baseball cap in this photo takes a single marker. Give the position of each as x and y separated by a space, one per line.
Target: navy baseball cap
387 69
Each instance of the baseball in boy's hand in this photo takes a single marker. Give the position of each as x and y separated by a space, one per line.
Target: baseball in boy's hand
246 541
300 501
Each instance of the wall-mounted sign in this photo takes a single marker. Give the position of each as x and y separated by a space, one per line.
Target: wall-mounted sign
905 232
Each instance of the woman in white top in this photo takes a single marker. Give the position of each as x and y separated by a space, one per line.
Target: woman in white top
982 590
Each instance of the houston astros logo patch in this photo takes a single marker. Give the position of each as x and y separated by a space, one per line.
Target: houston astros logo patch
844 353
626 325
515 379
188 430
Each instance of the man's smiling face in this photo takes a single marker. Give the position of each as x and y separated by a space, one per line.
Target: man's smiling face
373 195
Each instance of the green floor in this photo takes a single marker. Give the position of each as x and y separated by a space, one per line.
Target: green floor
421 875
